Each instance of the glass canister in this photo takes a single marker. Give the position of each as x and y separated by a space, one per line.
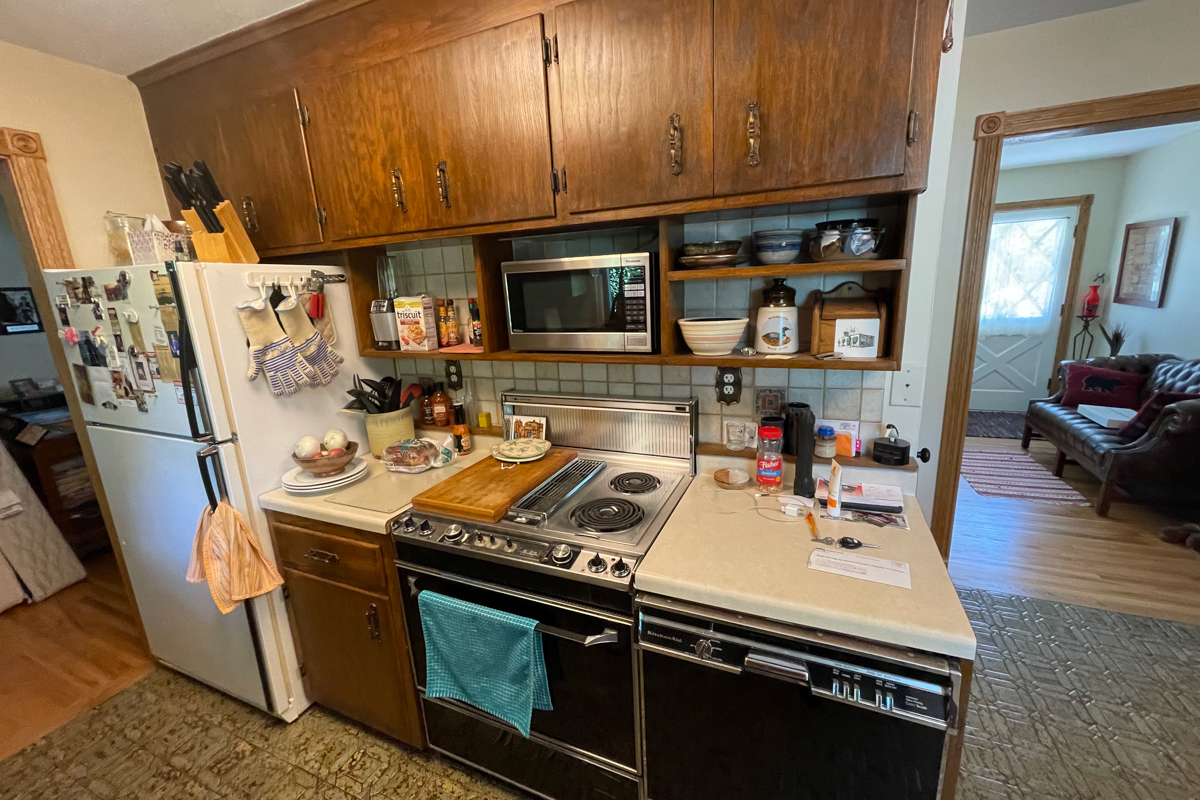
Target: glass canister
769 472
826 445
778 319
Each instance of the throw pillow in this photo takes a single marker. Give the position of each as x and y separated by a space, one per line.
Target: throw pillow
1150 411
1097 386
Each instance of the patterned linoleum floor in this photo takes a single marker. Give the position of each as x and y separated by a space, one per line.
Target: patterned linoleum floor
1068 703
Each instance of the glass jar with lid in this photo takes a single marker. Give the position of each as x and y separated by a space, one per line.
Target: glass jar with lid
778 319
826 444
769 471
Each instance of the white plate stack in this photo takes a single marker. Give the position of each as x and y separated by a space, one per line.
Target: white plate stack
299 481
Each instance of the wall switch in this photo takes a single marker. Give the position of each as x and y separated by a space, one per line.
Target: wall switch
908 385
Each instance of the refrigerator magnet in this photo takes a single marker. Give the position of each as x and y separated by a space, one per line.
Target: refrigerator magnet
62 303
152 365
141 374
83 383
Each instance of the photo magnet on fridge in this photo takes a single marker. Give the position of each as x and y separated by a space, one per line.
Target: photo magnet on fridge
84 384
173 339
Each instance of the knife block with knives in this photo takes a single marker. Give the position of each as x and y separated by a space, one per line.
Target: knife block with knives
217 231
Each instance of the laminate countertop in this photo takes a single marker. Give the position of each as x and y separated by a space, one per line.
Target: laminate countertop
717 550
381 489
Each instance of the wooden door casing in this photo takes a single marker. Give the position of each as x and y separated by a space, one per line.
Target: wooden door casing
484 112
625 67
831 81
266 159
351 663
366 167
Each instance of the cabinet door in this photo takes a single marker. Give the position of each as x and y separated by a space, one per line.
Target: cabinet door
825 83
267 175
365 164
350 658
628 68
484 97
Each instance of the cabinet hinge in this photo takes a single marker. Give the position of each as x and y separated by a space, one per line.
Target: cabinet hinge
304 118
913 120
547 52
321 214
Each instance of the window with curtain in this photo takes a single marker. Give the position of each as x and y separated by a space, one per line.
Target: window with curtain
1025 278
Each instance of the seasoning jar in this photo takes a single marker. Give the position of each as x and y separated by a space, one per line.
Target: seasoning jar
460 431
769 473
826 444
778 320
427 405
441 406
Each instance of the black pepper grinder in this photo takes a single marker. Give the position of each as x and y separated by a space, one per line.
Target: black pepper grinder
801 423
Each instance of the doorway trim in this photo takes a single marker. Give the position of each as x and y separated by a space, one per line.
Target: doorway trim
42 239
1163 107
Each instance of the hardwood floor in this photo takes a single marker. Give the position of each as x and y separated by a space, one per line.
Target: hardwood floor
66 654
1068 553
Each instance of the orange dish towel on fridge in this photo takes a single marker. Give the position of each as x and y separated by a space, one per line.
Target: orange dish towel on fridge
227 555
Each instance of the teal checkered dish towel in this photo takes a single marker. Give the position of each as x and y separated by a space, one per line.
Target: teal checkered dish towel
486 658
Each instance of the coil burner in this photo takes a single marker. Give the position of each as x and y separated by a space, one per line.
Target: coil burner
610 515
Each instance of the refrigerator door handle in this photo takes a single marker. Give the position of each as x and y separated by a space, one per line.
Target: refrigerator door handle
187 359
203 455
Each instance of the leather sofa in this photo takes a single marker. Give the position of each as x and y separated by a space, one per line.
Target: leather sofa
1163 465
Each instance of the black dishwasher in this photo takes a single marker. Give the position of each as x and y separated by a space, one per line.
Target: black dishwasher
741 708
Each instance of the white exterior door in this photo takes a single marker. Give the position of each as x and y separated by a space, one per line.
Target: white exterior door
1025 281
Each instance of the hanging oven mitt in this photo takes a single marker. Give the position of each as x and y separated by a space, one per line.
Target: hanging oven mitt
314 349
322 321
272 352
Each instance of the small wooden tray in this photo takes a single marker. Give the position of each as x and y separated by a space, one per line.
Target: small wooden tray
484 491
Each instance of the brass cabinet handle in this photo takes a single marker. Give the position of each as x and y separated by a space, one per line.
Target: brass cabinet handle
398 189
373 623
753 132
324 556
675 142
443 184
250 214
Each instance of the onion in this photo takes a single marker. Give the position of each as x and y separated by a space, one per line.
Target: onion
308 447
335 439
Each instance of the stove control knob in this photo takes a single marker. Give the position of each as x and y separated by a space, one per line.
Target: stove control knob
597 564
425 528
560 553
405 524
707 648
620 569
454 533
509 545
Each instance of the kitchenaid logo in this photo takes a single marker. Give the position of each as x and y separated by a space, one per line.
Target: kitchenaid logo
651 633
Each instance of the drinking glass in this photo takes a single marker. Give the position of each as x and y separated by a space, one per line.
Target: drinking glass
735 434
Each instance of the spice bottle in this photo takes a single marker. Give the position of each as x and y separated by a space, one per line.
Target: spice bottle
441 323
452 337
769 473
427 405
441 406
462 433
476 323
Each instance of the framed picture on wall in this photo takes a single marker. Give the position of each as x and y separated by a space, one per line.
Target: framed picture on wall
18 311
1145 259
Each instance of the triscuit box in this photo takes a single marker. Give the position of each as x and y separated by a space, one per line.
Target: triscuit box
416 322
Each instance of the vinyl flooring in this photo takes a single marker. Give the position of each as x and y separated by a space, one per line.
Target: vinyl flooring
1068 553
64 655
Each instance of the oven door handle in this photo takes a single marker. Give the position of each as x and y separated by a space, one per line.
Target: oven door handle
607 636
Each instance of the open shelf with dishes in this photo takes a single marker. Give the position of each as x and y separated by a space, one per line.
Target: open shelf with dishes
722 291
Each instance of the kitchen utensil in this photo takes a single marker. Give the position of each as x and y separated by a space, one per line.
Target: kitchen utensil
712 336
328 466
712 260
778 247
483 491
520 449
778 320
731 478
799 442
846 240
725 247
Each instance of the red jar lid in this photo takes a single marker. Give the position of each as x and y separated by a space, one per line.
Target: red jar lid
770 432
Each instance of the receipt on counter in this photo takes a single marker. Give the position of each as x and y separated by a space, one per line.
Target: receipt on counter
865 568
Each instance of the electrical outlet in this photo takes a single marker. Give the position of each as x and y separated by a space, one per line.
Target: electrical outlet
908 385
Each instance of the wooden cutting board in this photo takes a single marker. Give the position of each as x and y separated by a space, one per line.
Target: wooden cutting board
483 491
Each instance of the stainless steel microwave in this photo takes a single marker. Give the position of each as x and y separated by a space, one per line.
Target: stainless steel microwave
587 303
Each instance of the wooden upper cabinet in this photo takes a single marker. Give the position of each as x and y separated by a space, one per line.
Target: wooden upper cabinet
266 173
484 125
813 91
368 172
637 101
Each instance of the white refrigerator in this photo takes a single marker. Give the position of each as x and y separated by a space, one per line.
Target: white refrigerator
157 425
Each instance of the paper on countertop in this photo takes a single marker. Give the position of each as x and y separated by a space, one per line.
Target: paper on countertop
866 568
10 504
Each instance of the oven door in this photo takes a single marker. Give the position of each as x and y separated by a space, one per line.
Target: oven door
589 663
602 303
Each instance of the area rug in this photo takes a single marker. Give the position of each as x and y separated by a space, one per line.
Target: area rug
1016 476
996 424
1067 703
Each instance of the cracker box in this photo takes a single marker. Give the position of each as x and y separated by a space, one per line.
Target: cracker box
416 322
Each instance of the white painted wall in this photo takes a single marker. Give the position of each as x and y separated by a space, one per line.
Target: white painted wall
96 139
1133 48
1104 178
1163 182
22 355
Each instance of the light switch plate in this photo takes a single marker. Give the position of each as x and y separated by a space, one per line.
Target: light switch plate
908 385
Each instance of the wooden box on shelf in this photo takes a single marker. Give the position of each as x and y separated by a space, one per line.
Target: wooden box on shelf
847 301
